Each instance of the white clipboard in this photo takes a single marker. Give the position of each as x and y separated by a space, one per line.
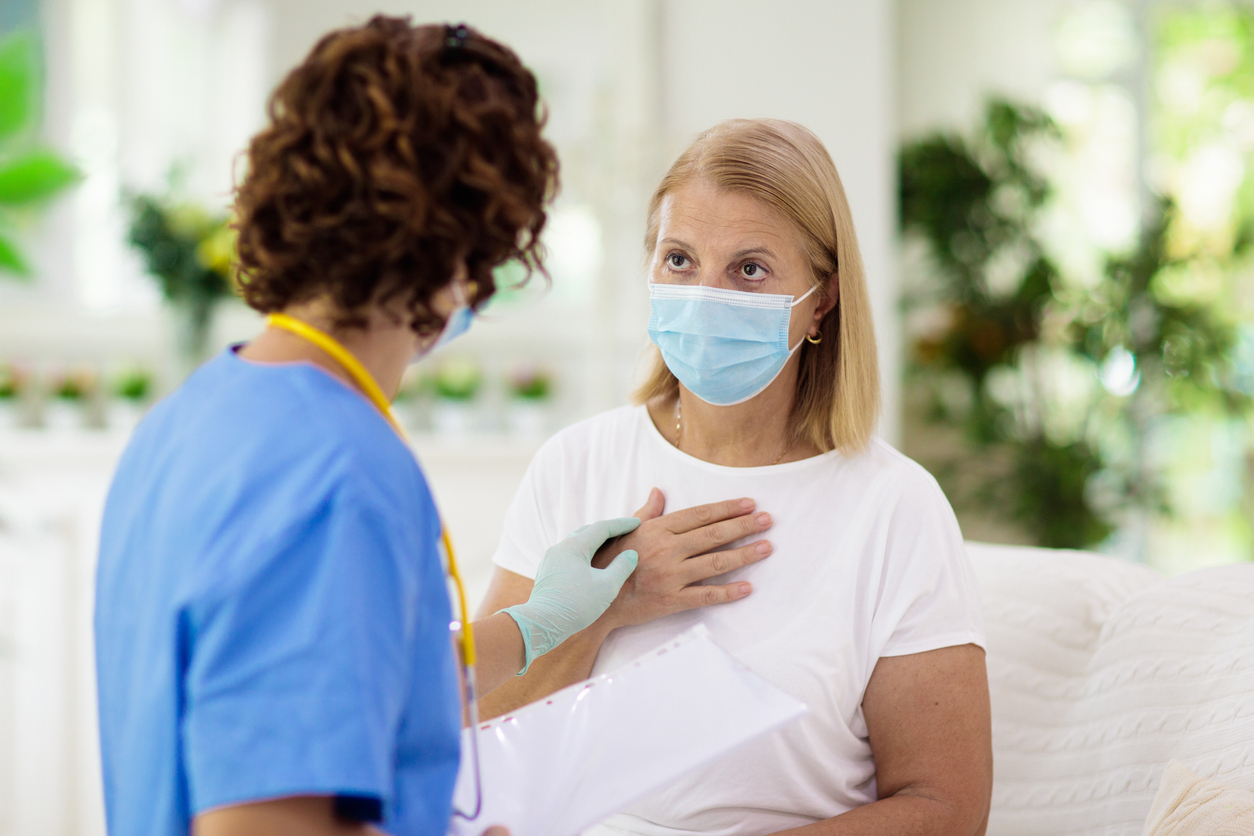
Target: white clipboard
564 763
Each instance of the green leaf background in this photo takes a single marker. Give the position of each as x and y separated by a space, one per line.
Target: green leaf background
30 175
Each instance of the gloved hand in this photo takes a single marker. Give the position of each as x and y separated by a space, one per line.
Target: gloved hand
569 594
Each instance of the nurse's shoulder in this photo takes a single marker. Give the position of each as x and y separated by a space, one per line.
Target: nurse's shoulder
246 451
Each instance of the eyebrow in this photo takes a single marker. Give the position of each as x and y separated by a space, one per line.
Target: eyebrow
753 251
741 254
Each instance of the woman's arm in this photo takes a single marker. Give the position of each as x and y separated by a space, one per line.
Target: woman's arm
929 724
676 551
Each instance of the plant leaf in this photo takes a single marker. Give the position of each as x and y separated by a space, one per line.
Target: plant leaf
34 177
11 261
19 53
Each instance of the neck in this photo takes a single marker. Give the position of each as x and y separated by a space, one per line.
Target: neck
749 434
384 346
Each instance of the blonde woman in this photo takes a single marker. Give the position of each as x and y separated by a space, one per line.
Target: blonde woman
765 384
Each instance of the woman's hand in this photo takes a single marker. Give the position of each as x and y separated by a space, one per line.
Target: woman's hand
569 594
679 550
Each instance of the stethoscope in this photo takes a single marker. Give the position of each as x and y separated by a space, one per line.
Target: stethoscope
375 395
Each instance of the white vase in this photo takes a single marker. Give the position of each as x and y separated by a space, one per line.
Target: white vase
125 414
62 415
454 418
10 414
528 418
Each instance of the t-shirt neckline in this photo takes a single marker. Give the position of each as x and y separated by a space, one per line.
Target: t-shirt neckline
642 414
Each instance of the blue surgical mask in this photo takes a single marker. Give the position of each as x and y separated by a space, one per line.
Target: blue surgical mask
455 324
725 346
458 323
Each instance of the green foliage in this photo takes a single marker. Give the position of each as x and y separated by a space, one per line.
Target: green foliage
30 175
1050 502
530 384
34 177
973 201
458 379
11 383
977 203
190 253
134 385
19 56
1185 349
75 386
170 239
11 259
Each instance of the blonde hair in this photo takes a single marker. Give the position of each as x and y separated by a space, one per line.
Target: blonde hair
786 167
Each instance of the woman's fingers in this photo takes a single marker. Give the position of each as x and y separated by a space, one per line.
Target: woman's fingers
706 566
703 595
699 516
711 537
653 506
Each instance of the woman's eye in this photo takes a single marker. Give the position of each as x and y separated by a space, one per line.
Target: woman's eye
676 261
752 271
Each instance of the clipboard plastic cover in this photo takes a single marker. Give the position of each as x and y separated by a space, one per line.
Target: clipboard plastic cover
564 763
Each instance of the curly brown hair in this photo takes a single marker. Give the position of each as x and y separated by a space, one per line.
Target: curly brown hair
394 154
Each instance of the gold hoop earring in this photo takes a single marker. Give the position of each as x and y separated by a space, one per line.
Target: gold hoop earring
815 340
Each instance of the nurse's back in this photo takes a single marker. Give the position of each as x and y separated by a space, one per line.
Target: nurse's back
270 597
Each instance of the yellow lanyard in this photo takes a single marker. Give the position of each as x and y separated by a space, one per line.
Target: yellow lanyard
375 395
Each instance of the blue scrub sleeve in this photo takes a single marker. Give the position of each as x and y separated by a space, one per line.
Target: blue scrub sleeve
296 679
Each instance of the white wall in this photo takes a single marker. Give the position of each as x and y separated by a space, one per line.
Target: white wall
951 54
826 65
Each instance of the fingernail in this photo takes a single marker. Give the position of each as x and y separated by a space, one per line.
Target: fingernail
746 504
763 548
745 588
764 520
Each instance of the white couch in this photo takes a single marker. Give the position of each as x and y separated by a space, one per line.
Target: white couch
1101 672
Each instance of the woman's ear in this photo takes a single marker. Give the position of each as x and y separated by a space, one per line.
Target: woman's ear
830 295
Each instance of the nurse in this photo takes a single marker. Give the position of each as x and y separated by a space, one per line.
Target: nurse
272 615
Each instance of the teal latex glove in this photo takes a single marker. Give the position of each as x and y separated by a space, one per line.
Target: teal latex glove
569 594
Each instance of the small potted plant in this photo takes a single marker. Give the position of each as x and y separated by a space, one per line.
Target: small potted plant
12 387
529 412
69 408
131 395
457 381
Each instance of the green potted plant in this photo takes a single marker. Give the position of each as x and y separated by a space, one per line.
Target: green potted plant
529 412
190 252
132 393
12 388
457 382
30 173
69 407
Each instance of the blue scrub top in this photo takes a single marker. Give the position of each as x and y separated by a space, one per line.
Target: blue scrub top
272 616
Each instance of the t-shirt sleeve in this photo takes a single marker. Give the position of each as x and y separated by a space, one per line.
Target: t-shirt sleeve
297 678
927 596
530 522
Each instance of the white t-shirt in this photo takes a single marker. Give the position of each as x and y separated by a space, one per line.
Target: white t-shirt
868 561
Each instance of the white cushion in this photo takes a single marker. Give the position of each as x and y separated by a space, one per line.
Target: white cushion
1100 672
1189 805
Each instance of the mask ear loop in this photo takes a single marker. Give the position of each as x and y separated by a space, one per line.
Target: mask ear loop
802 297
794 304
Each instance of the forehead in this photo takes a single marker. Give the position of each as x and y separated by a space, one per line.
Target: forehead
704 216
